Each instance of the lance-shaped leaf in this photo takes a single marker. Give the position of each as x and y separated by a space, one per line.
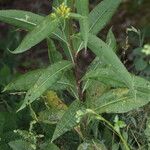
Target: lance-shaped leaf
69 119
48 146
26 21
48 78
20 145
111 40
53 54
121 101
103 51
101 14
106 76
24 82
22 19
39 33
83 10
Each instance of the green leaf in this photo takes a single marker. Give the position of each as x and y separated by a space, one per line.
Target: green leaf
106 76
103 51
83 10
55 108
147 132
48 78
92 145
25 81
51 116
101 14
22 19
49 146
111 40
69 119
56 3
39 33
20 145
120 100
140 64
25 20
54 55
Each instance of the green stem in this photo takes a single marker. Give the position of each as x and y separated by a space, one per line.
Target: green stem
67 43
118 133
98 117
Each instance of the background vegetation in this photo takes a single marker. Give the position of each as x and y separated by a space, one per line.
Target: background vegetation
131 27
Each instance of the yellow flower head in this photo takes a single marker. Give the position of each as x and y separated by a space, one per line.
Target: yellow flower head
61 11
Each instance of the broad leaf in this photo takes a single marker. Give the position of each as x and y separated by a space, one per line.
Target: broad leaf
22 19
39 33
111 40
103 51
24 82
101 14
69 119
48 78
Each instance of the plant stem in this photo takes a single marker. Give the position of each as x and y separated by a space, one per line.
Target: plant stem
118 133
98 117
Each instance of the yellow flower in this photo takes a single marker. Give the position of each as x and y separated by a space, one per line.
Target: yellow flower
61 11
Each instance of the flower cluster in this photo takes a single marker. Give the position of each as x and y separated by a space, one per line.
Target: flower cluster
61 11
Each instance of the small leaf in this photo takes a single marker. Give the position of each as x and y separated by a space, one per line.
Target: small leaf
39 33
45 81
111 40
69 120
54 55
140 64
101 14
